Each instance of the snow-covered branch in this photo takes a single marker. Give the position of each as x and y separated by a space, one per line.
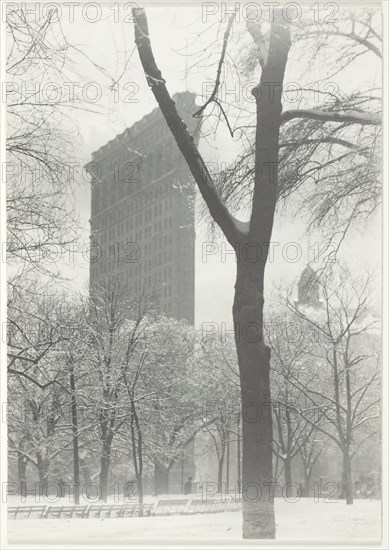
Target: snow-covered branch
257 35
352 117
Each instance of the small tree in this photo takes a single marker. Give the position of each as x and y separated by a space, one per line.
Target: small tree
115 323
157 384
40 177
222 379
45 339
178 409
344 382
289 340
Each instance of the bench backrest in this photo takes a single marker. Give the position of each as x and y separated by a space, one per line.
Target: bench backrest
59 510
171 505
26 511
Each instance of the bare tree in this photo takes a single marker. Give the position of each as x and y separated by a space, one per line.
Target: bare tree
167 346
40 175
45 339
220 367
178 411
116 322
288 340
37 428
247 238
310 450
34 333
43 93
344 384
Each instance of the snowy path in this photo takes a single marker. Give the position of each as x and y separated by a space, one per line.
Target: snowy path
303 520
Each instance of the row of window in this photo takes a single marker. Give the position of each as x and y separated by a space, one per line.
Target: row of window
108 193
163 289
115 262
154 230
123 211
130 251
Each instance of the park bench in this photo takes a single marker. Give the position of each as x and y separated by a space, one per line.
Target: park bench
56 512
196 506
25 512
165 507
105 510
132 510
214 505
147 509
208 505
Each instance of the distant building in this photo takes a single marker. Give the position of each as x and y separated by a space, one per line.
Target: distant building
143 225
142 220
308 289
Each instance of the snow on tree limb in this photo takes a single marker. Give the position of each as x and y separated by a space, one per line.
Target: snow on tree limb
355 117
184 140
257 35
267 134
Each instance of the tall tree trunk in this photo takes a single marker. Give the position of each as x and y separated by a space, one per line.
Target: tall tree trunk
43 472
85 470
104 471
137 453
252 251
139 480
220 474
238 455
161 478
104 467
228 461
347 478
254 368
288 472
253 357
22 467
220 461
307 481
76 462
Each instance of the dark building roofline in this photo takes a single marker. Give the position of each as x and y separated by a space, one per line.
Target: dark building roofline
141 125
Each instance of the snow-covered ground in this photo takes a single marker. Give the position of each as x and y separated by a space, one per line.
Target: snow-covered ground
299 521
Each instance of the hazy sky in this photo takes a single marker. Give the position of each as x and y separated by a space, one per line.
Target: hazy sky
109 44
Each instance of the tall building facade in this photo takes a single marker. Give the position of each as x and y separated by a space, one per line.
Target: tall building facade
142 219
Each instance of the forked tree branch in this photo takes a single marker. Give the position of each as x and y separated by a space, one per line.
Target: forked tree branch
25 375
215 90
353 36
183 138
